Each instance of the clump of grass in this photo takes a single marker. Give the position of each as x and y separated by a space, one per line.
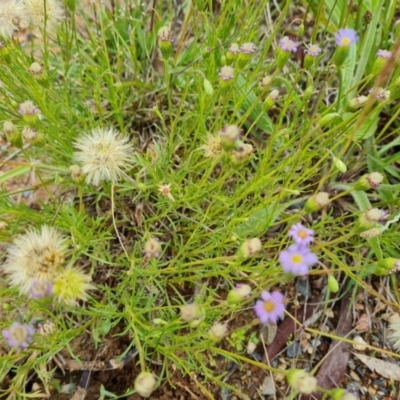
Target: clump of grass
176 160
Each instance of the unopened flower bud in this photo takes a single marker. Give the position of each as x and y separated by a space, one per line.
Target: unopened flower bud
12 134
328 119
165 41
316 202
242 155
152 248
208 88
271 99
301 381
333 284
249 247
229 135
358 101
300 30
369 181
265 82
76 173
38 72
239 293
192 313
218 331
387 266
145 383
308 93
341 394
339 164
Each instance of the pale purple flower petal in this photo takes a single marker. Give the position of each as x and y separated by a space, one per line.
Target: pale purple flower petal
287 45
270 308
297 259
384 54
346 37
313 50
18 335
301 234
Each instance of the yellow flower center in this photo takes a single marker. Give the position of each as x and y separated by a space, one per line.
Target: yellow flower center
269 306
345 42
303 234
297 259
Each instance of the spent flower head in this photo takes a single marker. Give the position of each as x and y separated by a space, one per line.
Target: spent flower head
301 381
313 50
103 154
11 14
346 37
28 108
297 259
301 235
270 308
226 73
212 148
234 49
40 12
164 34
379 93
152 247
394 334
71 285
248 48
145 383
34 256
218 331
165 190
240 292
18 335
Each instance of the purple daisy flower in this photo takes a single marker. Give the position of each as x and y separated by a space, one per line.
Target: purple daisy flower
301 235
297 259
18 335
384 54
313 50
346 37
288 45
270 308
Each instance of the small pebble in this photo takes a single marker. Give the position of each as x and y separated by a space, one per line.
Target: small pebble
294 350
268 386
360 344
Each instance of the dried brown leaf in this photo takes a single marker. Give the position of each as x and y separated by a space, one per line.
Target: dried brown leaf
384 368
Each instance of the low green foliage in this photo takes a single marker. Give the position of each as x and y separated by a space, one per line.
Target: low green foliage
105 67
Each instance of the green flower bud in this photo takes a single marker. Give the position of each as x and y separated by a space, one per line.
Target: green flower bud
271 99
300 30
339 164
358 101
387 266
208 87
327 119
249 247
308 93
226 75
265 83
229 136
340 55
316 202
333 284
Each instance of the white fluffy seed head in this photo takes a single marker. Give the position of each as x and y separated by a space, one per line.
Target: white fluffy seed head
12 13
41 12
34 256
103 154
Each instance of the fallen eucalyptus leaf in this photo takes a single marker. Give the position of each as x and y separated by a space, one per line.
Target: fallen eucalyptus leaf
384 368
